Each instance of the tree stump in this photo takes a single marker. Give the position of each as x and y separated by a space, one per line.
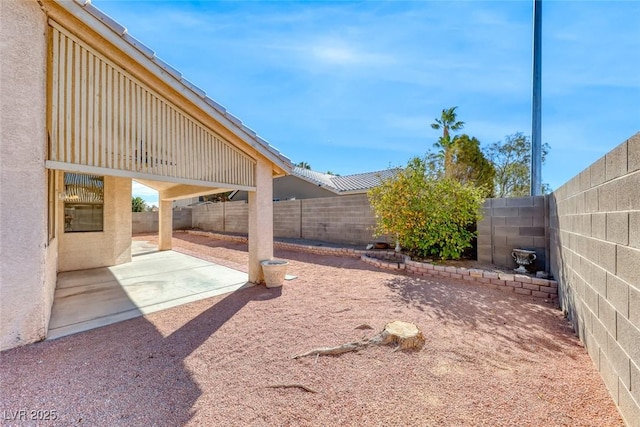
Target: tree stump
406 336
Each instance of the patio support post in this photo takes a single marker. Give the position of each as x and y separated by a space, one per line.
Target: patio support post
260 220
165 224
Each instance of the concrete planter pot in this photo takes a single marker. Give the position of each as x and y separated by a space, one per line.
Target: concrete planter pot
274 271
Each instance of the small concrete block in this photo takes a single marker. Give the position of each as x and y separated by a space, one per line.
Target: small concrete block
634 306
599 226
506 276
475 272
585 180
519 221
530 286
607 257
506 231
628 265
522 291
598 279
456 276
609 376
591 200
522 278
520 201
618 227
628 337
599 332
531 231
616 162
513 284
440 268
505 212
498 202
591 299
597 172
607 315
634 381
618 294
498 282
628 407
539 294
634 229
462 271
619 360
469 278
633 151
607 197
450 269
490 274
627 194
532 212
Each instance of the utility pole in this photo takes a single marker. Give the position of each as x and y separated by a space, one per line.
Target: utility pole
536 122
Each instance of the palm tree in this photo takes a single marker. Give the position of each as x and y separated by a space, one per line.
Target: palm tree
303 165
447 122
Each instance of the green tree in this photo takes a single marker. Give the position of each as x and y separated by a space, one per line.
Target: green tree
470 165
138 204
512 162
429 217
448 122
303 165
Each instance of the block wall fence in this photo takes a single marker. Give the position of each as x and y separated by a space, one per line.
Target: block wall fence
517 222
595 257
342 219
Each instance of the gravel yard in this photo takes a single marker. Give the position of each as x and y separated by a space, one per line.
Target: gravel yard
491 358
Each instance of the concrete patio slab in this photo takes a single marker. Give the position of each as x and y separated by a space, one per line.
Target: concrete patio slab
153 281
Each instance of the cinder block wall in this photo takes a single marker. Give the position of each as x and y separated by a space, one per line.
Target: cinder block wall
344 219
287 219
209 216
595 253
236 217
510 223
341 219
147 222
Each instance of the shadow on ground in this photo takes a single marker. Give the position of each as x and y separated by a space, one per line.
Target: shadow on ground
145 383
530 324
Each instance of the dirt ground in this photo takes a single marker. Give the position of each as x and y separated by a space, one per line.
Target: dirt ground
491 358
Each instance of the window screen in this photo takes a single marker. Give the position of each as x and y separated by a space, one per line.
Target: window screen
83 202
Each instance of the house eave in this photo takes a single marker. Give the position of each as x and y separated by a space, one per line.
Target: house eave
118 36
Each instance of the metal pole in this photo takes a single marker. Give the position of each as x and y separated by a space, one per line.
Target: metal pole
536 122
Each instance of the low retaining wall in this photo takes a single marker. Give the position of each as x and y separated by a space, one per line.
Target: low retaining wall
518 283
390 260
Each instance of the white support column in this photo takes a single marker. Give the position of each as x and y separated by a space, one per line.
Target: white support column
165 224
260 220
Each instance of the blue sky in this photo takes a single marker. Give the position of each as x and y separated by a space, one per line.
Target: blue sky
353 86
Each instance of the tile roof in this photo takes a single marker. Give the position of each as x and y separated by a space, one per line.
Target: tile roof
357 183
165 69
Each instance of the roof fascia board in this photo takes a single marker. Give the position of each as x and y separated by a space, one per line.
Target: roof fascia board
115 34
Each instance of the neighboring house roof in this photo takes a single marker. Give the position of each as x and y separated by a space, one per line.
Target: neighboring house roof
357 183
119 35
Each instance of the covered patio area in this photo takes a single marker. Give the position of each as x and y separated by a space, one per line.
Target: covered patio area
153 281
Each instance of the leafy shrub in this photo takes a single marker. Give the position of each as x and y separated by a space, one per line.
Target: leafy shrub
430 217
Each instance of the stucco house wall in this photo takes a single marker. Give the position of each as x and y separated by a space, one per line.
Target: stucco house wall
111 246
25 304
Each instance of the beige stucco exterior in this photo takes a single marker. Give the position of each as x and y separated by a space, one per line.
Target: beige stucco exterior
26 282
112 246
38 144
